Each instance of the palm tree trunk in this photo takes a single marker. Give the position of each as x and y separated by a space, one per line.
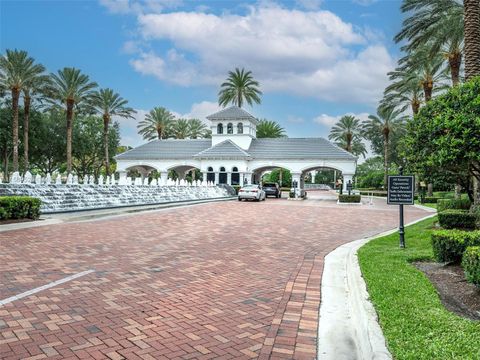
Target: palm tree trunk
106 121
385 160
70 104
15 97
415 107
427 90
26 126
472 38
455 62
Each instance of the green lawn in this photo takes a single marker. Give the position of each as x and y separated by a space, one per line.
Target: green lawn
434 205
414 321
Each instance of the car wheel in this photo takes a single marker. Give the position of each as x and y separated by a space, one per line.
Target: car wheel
239 199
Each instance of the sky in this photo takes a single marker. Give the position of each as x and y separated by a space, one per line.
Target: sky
316 60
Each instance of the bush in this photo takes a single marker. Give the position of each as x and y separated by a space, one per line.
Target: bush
19 207
471 264
236 188
457 219
449 245
459 204
345 198
430 199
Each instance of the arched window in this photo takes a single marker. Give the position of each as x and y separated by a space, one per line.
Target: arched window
222 176
220 128
210 174
235 176
230 128
240 128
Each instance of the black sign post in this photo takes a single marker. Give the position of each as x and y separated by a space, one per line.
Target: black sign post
401 190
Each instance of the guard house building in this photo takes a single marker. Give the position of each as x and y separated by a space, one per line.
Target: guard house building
234 155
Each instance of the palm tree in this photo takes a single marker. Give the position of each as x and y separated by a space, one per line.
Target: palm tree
270 129
387 122
239 87
196 128
157 124
424 66
180 129
438 23
35 88
108 104
72 89
357 147
345 131
16 70
472 38
406 91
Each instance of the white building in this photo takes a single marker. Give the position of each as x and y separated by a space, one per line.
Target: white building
234 155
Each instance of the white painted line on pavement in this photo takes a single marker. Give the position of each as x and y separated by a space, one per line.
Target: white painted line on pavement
44 287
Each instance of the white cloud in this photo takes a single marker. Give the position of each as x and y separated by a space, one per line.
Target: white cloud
309 53
330 120
309 4
139 6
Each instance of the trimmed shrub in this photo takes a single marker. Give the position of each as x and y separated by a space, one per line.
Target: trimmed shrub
471 264
345 198
430 199
19 207
459 204
457 219
236 188
449 245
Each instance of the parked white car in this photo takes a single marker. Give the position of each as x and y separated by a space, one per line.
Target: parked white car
251 192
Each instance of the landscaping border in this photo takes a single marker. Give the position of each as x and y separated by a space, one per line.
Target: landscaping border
348 323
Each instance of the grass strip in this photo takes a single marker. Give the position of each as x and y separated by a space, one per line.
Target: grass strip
415 323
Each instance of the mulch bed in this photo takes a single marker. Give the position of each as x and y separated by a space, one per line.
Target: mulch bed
14 221
456 293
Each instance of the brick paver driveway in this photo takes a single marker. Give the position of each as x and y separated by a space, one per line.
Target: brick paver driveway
220 280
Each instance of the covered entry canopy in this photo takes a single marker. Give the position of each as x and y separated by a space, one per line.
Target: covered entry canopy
240 154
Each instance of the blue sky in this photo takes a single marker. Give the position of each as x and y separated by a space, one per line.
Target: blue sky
315 60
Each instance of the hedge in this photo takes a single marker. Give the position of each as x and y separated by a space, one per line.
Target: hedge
471 264
430 199
457 219
19 207
345 198
459 204
449 245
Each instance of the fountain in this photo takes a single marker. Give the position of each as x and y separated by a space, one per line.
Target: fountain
73 196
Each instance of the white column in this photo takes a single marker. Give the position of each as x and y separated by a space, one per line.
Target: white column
217 177
204 174
164 177
241 175
296 177
229 178
248 177
346 178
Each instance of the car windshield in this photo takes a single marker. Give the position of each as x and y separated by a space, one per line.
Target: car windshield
270 185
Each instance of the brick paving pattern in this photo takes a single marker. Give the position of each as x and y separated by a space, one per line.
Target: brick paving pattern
217 281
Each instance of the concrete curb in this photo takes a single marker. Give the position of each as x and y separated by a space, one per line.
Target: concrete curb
348 324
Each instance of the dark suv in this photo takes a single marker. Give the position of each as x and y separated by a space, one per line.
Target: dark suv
272 189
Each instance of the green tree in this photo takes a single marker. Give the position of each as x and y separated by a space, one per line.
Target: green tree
17 70
443 137
370 174
6 138
346 131
108 103
180 129
196 128
48 141
472 38
437 24
279 174
387 123
270 129
239 87
88 151
405 92
156 125
357 146
71 89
